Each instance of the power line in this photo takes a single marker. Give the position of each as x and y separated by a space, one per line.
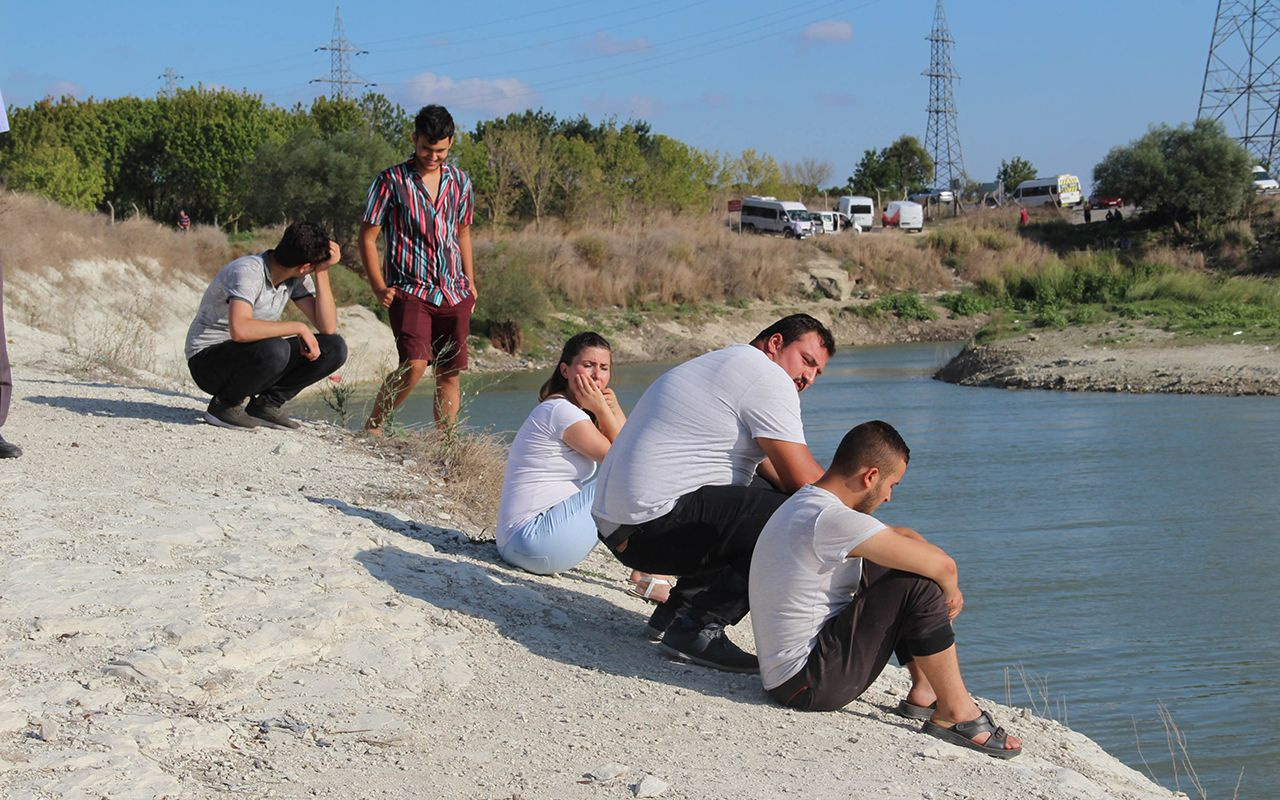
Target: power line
341 80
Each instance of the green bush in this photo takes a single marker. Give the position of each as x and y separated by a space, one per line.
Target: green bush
511 291
952 240
965 304
903 305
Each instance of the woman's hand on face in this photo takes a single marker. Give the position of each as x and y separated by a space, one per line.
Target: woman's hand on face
588 394
611 399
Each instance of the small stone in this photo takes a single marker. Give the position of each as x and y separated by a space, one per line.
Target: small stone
650 786
606 772
48 730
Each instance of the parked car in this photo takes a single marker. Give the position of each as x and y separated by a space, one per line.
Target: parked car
934 195
1104 201
1263 183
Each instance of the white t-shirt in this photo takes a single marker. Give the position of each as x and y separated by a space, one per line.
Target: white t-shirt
541 469
801 577
697 426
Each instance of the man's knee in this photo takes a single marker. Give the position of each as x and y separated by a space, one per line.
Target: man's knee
333 348
273 355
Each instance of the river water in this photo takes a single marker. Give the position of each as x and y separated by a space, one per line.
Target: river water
1118 553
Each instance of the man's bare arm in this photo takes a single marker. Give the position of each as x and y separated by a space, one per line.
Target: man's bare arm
897 548
373 265
244 328
321 309
792 464
468 266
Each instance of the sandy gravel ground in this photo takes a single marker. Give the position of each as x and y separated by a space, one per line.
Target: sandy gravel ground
190 612
1111 358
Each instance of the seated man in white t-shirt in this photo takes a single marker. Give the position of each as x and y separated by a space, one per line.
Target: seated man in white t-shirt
675 493
834 592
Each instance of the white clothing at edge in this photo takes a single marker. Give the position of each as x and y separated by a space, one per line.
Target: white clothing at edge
696 426
541 469
801 577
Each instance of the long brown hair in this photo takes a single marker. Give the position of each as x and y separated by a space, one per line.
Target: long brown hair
557 383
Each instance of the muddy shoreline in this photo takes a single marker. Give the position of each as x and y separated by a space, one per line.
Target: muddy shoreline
1115 358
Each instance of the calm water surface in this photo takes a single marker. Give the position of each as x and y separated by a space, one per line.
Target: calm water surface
1121 549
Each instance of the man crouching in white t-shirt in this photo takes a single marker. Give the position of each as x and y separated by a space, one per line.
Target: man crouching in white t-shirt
676 496
834 592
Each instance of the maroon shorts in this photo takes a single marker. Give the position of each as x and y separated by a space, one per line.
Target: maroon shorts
435 334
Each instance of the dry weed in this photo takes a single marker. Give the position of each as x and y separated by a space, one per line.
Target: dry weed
471 464
36 233
889 261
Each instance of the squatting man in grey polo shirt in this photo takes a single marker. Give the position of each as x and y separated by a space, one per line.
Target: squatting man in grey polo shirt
238 348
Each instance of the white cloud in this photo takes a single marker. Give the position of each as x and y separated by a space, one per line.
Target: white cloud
606 45
63 88
831 30
499 96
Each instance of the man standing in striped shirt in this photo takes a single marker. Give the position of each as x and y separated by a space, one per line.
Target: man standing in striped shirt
428 283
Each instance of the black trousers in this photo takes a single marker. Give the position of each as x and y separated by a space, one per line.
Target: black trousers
707 540
273 370
893 612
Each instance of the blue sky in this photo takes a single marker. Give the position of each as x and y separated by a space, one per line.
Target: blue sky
1056 83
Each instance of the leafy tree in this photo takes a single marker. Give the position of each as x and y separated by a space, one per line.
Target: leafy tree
580 177
757 173
388 120
535 159
317 177
807 175
57 172
901 168
205 139
910 163
1182 174
1015 171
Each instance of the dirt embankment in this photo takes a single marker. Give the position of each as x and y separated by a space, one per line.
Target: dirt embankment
1111 358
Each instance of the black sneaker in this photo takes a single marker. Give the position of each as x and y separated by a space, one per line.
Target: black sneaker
661 618
225 415
706 645
9 449
270 416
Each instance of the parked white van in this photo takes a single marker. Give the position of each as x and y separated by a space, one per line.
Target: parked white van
1263 183
904 214
1059 190
776 216
860 210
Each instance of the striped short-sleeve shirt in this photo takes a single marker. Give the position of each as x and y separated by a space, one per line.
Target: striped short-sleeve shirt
422 255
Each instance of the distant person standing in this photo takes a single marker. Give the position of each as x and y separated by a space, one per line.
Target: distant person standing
428 282
184 222
1023 217
1088 214
7 449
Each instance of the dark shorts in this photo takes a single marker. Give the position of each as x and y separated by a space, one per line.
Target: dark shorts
435 334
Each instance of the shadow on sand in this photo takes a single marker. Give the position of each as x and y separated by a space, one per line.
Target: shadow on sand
544 614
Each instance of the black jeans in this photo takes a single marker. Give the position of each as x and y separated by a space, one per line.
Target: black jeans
893 612
273 370
707 540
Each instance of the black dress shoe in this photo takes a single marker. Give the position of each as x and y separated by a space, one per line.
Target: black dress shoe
9 449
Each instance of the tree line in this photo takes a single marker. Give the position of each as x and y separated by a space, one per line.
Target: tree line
232 159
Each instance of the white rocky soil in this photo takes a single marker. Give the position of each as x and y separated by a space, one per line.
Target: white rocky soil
191 612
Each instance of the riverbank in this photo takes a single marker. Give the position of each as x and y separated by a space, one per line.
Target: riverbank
1118 357
197 612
